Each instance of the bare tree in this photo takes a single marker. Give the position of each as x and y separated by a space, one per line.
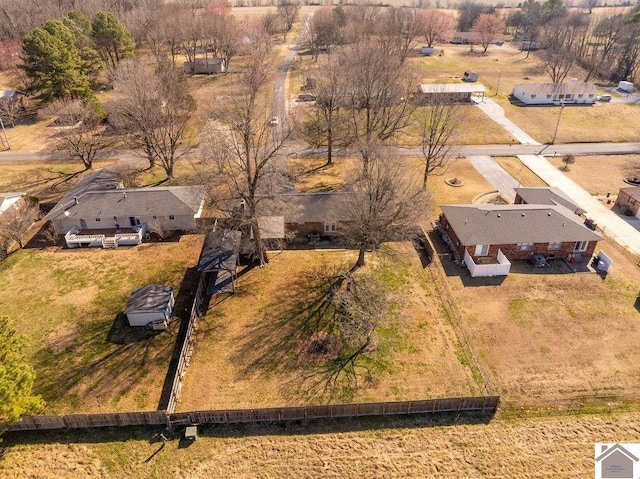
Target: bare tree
438 125
85 136
323 32
384 206
154 108
568 160
488 26
397 30
15 222
377 97
9 109
240 152
435 24
288 11
360 307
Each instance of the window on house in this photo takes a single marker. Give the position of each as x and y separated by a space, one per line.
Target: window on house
580 95
330 227
569 97
482 250
549 96
580 246
555 245
533 96
561 96
97 219
172 217
590 95
524 246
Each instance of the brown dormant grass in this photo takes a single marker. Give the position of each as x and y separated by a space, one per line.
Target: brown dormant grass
524 175
392 448
238 350
69 300
600 175
550 333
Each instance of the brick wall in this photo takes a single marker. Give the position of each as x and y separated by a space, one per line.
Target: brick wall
625 199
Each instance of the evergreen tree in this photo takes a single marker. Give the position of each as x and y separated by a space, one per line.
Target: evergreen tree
16 378
112 39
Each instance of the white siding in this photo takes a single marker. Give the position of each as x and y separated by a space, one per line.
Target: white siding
142 319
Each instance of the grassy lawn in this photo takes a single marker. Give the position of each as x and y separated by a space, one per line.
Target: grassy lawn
524 175
391 448
550 333
600 175
248 348
69 300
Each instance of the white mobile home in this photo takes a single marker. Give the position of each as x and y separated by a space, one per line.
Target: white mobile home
572 93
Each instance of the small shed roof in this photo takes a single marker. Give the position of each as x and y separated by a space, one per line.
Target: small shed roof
513 224
220 251
452 88
150 298
633 191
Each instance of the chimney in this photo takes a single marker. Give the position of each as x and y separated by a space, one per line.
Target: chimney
603 448
124 194
75 200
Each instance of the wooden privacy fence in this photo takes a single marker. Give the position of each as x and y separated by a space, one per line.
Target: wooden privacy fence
484 404
187 348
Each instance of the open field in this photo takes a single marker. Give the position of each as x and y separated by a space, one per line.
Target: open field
390 448
69 301
550 333
248 345
600 175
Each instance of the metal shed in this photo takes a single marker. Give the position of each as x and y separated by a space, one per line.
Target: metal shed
149 305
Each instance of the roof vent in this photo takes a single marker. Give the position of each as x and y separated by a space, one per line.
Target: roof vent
498 215
548 213
75 200
124 194
523 214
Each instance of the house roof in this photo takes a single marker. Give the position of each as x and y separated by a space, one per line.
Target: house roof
5 199
149 298
633 191
512 224
452 88
271 227
220 251
548 196
307 207
161 201
101 180
616 447
574 88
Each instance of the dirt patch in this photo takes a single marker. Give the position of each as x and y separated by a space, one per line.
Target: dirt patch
319 347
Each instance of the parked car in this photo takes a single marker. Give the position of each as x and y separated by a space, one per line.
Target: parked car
604 98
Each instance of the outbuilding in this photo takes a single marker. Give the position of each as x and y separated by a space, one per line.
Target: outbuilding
429 94
150 305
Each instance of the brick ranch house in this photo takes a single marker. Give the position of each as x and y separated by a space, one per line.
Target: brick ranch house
628 200
496 234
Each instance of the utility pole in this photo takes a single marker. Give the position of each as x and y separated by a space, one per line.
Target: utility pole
555 132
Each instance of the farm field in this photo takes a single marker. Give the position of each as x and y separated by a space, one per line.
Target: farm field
531 447
552 334
68 308
249 345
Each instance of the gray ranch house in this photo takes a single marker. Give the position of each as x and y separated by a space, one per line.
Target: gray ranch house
572 93
98 212
488 237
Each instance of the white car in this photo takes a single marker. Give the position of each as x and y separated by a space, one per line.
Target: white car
274 121
604 98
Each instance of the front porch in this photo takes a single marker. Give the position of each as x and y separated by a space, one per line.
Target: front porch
105 238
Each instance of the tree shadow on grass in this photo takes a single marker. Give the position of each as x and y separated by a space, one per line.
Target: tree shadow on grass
274 343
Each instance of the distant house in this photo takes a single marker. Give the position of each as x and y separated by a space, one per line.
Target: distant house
205 66
572 93
628 200
546 196
150 305
10 202
492 235
528 45
474 38
98 212
448 92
